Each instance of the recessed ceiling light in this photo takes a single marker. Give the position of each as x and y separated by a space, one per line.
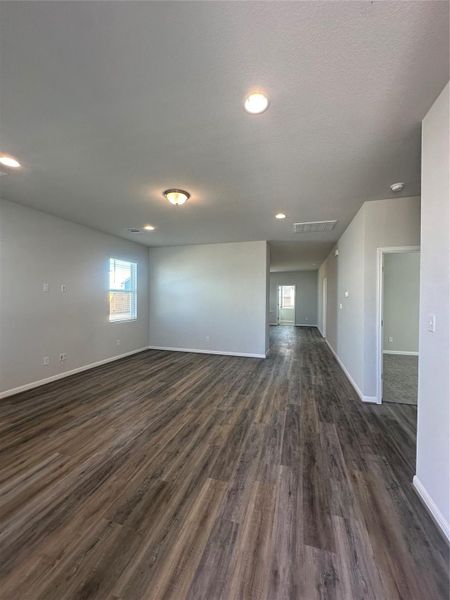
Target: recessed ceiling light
176 197
9 161
256 103
149 228
397 187
280 216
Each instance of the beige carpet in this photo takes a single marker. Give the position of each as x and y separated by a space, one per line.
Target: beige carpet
400 378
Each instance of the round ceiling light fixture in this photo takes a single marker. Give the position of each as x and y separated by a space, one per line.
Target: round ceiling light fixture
280 216
398 187
149 228
256 103
176 197
9 161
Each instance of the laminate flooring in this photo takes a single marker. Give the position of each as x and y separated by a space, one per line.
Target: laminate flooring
187 476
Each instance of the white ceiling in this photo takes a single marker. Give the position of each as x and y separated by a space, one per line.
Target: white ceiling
107 104
298 256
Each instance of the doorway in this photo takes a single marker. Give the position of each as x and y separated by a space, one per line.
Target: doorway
286 305
398 331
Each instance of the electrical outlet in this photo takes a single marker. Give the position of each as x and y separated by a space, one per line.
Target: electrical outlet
63 288
46 360
62 356
45 287
207 338
117 342
340 306
391 339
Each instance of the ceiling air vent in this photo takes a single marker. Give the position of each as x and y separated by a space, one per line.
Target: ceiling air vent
313 226
134 230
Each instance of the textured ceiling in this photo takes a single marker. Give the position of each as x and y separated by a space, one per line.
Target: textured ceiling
107 104
298 256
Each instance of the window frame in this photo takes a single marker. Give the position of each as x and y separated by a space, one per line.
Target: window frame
132 292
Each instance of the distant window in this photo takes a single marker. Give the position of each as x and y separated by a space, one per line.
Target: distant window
287 296
122 290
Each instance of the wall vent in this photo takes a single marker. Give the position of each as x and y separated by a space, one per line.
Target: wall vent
314 226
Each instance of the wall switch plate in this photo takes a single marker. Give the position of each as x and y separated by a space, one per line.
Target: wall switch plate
46 360
336 252
63 288
62 356
340 305
431 326
45 287
391 339
117 342
346 294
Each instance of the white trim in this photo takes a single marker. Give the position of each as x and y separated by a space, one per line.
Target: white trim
38 383
431 507
379 312
370 399
197 351
403 352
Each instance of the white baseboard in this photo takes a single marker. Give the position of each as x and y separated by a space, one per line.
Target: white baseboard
370 399
38 383
431 507
404 352
197 351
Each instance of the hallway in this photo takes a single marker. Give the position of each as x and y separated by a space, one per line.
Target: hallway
177 475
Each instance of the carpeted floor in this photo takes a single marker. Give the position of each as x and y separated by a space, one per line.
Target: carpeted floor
400 378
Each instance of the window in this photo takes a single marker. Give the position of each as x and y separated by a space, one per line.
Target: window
287 296
122 290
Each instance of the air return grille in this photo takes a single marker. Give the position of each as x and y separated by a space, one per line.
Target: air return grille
312 226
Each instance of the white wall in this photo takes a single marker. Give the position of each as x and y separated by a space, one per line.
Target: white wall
401 302
210 297
328 270
351 330
37 248
433 437
350 279
392 222
306 295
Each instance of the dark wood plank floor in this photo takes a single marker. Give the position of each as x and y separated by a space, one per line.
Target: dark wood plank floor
183 476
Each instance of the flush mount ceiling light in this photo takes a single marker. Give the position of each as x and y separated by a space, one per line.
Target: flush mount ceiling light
176 197
9 161
280 216
149 228
256 103
397 187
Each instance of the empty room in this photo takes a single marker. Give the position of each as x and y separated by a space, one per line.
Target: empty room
224 300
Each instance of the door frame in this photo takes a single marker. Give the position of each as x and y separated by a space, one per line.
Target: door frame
280 285
324 306
379 314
